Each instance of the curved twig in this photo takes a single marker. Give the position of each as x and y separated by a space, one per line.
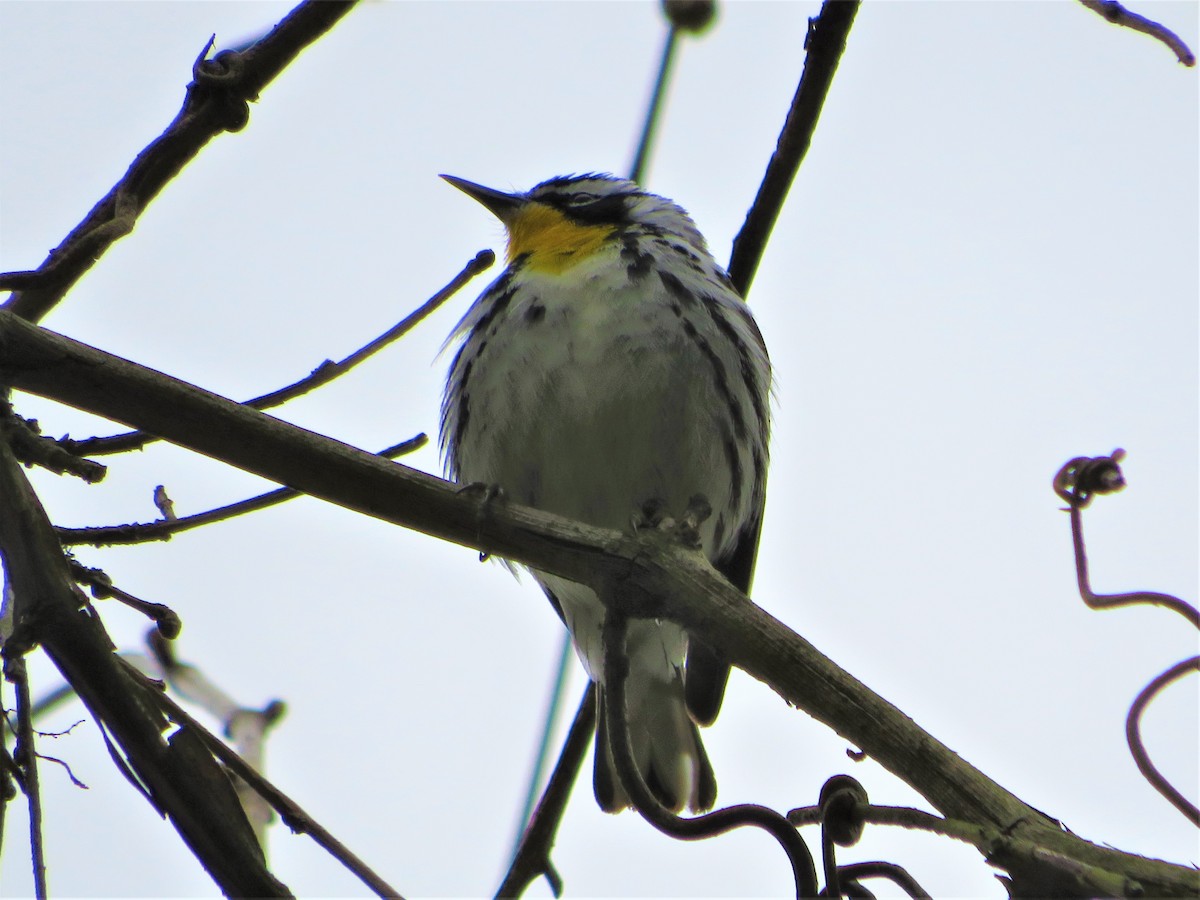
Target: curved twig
1114 12
1078 482
1133 736
616 671
897 875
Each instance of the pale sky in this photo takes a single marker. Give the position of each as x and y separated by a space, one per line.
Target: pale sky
987 265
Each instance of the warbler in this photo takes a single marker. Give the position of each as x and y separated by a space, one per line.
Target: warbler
613 368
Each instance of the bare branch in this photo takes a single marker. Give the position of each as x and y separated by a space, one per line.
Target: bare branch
26 757
166 620
292 814
1114 12
825 44
216 101
321 375
533 855
30 448
182 781
164 529
656 582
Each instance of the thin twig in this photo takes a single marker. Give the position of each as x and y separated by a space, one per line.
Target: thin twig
321 375
685 16
165 529
292 814
1133 735
1114 12
180 780
101 586
10 773
562 668
826 43
616 672
245 728
26 757
216 101
641 158
533 854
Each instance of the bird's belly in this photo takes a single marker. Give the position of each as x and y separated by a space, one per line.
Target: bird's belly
594 438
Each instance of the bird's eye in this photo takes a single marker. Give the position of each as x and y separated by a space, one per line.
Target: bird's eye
592 209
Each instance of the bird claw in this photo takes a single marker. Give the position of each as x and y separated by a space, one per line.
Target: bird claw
485 494
685 529
651 514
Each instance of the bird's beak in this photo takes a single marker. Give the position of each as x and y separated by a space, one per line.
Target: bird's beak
503 206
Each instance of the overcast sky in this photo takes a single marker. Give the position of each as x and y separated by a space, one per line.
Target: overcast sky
987 265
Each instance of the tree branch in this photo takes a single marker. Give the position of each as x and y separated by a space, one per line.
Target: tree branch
216 101
321 375
825 44
533 855
1114 12
181 778
656 582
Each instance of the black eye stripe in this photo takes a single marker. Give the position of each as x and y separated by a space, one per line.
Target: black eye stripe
590 209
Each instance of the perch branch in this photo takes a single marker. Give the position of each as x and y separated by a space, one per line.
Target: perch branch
656 582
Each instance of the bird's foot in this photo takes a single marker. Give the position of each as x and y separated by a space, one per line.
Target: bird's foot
485 495
685 529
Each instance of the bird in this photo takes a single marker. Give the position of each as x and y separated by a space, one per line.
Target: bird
610 373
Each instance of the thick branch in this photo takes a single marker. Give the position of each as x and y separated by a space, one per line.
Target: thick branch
660 582
180 777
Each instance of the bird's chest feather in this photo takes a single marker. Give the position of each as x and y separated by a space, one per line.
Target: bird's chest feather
594 399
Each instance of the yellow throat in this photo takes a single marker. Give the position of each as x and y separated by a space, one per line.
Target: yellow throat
552 241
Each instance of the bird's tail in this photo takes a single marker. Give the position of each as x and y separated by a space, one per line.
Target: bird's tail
666 749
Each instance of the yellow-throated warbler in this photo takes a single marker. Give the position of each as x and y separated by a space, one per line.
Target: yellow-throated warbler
613 367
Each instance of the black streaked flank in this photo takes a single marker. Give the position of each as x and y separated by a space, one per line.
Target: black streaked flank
735 467
676 288
720 380
637 261
717 313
